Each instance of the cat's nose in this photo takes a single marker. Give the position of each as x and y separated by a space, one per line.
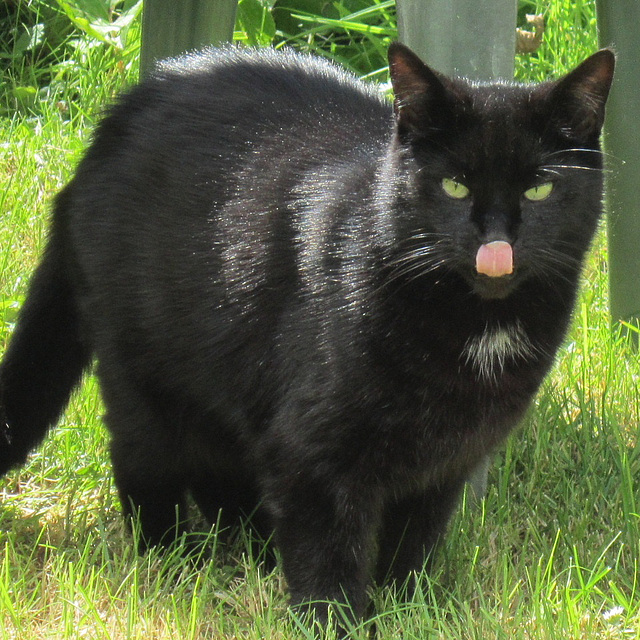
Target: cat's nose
497 221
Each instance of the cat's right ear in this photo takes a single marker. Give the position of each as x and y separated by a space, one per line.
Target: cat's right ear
578 100
419 92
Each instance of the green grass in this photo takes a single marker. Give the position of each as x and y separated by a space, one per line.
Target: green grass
552 552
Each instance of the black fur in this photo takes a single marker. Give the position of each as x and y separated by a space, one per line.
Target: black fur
283 301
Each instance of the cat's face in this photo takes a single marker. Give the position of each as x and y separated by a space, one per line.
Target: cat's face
503 182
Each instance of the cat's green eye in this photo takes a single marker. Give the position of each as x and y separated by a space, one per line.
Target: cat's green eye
540 192
454 189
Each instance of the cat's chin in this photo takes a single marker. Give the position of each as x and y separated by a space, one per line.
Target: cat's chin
494 288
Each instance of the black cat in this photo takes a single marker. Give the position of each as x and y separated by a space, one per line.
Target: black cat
304 299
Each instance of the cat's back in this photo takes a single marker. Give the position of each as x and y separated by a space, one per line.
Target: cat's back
250 76
229 99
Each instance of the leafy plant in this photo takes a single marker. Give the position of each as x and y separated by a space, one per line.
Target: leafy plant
53 46
354 33
103 21
254 22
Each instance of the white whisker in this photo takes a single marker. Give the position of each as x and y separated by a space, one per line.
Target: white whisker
419 255
569 166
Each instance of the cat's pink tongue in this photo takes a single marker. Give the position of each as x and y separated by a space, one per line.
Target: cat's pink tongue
495 259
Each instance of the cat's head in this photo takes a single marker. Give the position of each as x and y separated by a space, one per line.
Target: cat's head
497 183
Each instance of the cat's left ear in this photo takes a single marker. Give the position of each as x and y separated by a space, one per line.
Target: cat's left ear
420 94
578 100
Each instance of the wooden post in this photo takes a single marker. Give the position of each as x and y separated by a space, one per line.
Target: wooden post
172 27
618 23
471 38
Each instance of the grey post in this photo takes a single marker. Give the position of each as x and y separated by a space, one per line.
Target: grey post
618 23
471 38
171 27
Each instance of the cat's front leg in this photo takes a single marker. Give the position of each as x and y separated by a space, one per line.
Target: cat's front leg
411 528
326 537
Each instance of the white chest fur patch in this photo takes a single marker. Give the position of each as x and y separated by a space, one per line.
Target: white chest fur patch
489 351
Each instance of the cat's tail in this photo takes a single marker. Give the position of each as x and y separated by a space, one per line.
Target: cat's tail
46 354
